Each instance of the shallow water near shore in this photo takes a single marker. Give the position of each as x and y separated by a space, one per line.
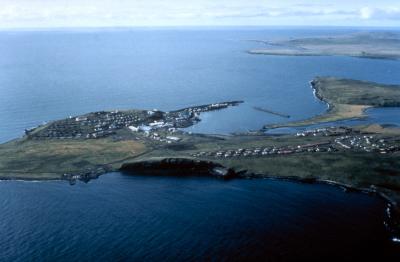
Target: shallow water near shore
49 75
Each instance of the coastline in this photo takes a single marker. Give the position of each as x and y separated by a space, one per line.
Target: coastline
370 45
363 158
392 222
346 106
392 201
294 53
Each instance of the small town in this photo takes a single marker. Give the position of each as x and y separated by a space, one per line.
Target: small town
327 131
103 124
345 139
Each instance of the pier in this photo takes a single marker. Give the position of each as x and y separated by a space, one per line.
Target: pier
271 112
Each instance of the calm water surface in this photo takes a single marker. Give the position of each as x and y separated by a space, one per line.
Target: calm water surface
51 75
155 218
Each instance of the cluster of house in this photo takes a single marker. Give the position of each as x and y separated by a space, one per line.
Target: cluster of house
102 124
188 116
155 135
267 151
212 107
346 139
94 125
350 139
326 131
368 143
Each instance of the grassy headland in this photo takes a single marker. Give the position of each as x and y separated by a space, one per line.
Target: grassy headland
49 159
347 99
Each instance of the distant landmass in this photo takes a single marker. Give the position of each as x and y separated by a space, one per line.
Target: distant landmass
380 45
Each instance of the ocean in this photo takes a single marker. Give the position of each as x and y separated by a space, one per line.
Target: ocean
48 75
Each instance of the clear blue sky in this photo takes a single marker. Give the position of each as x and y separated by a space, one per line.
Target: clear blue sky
100 13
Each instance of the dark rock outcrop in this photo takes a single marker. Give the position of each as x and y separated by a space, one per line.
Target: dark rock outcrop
180 167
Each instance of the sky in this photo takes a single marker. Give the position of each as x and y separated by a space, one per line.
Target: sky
116 13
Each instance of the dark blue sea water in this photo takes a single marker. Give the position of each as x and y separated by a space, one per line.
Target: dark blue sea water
134 217
46 75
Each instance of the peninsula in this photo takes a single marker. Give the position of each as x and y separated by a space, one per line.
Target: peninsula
379 45
365 158
83 147
346 99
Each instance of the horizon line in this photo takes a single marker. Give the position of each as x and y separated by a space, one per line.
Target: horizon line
66 28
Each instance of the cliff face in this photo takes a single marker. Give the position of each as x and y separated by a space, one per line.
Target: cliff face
179 166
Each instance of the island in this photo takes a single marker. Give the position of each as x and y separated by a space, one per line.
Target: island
379 45
364 158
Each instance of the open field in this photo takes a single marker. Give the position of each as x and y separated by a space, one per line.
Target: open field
50 159
379 45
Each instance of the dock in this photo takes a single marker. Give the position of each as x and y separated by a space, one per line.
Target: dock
271 112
